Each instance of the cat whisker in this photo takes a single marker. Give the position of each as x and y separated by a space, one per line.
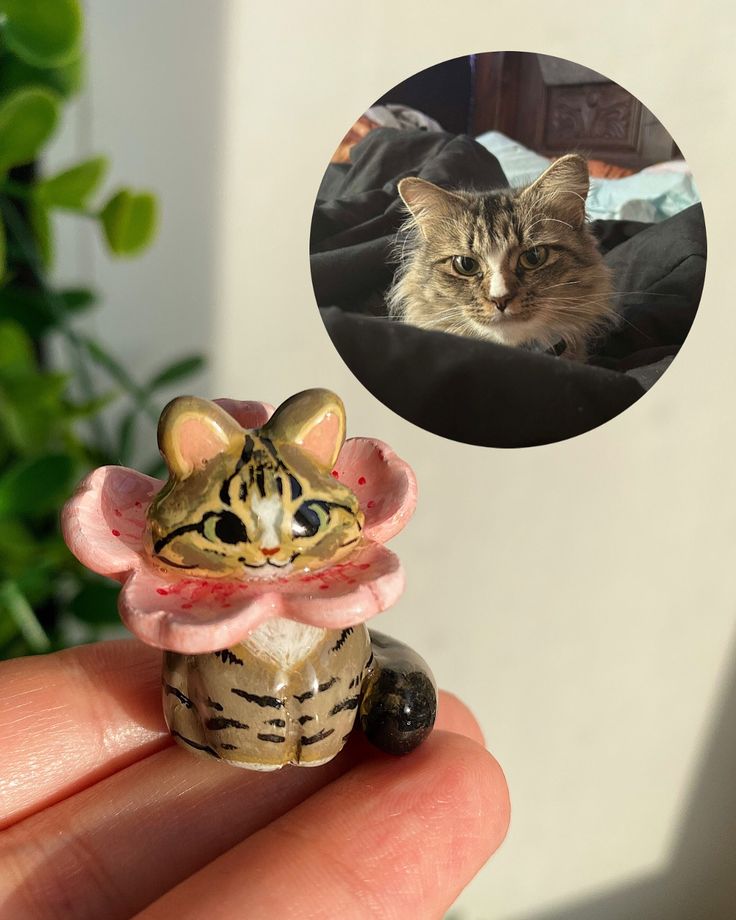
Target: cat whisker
642 294
612 294
562 284
553 219
564 314
636 328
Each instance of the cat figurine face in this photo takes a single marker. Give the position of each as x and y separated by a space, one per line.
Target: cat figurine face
518 266
253 503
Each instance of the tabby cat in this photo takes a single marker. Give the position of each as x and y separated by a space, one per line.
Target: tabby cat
260 504
514 266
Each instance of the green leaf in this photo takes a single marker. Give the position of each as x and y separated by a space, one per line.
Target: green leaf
37 583
17 648
45 33
40 222
3 252
31 410
96 602
37 486
37 310
16 350
27 120
8 630
129 221
26 306
34 564
176 371
16 73
67 79
17 546
14 603
77 299
73 187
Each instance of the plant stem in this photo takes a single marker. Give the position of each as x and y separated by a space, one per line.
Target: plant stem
14 602
18 190
15 189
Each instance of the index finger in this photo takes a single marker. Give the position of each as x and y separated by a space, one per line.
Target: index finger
72 718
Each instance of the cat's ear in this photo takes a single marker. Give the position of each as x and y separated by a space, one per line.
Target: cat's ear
313 420
563 188
192 431
428 202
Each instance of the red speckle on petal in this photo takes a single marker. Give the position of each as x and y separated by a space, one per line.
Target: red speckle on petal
361 480
115 533
138 505
335 474
323 587
371 504
364 565
186 606
162 591
118 513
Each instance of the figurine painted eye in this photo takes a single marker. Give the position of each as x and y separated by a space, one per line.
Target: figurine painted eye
227 528
308 519
465 265
533 258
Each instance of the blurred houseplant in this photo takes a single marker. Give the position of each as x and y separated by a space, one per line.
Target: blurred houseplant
51 426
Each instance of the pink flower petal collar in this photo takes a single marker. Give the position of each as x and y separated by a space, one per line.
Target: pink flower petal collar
104 525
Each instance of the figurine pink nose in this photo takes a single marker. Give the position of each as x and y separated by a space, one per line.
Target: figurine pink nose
270 551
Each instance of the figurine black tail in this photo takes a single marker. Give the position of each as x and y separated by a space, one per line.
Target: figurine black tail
399 700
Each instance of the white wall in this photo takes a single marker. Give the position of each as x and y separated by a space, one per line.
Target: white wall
580 596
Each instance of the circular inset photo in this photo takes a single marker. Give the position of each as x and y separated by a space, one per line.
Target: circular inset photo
508 249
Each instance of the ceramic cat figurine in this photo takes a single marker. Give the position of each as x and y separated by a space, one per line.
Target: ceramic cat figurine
514 266
255 523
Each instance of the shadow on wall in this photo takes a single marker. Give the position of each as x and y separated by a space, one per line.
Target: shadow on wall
699 883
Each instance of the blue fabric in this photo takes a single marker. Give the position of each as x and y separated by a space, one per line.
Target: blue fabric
520 165
645 196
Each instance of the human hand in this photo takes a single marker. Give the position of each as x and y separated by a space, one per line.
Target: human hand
105 817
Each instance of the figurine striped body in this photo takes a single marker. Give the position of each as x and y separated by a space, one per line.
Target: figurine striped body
288 694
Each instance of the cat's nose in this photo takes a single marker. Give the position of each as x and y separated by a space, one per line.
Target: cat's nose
270 550
500 303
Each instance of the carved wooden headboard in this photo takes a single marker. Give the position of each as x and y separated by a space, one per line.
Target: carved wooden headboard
555 106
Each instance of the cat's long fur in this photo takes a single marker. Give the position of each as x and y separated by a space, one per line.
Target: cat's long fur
567 299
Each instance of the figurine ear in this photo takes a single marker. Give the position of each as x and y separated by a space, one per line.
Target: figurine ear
192 431
313 420
563 186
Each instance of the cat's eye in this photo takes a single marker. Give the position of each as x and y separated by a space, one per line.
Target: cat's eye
465 265
308 519
227 528
533 258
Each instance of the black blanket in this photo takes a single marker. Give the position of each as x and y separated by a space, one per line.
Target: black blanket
468 389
